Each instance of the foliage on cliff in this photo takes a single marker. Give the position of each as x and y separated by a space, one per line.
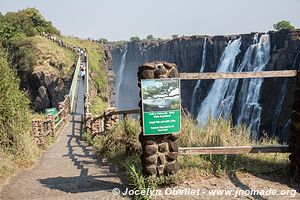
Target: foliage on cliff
28 22
283 25
40 54
16 144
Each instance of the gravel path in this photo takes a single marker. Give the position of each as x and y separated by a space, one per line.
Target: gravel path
67 170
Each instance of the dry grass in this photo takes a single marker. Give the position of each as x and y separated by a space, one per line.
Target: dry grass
52 58
214 133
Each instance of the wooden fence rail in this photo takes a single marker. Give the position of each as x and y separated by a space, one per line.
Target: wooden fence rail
228 75
234 150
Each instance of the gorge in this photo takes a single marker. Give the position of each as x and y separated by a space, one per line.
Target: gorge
264 105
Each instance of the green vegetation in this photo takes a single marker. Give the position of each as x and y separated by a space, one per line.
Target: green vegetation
134 39
16 144
283 25
149 37
40 54
175 36
27 22
27 52
96 63
103 41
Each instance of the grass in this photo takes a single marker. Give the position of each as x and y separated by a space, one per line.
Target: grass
53 58
193 167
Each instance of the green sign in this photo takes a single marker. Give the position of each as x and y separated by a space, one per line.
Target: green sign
161 105
52 111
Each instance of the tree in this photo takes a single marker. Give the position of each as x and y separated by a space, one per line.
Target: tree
135 39
149 37
161 89
175 36
283 25
103 41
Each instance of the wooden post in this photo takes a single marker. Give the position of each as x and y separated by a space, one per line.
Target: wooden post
159 152
295 131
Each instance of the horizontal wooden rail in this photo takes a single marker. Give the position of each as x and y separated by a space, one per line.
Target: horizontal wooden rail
234 150
227 75
124 112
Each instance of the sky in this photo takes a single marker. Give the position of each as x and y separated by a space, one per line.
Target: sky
122 19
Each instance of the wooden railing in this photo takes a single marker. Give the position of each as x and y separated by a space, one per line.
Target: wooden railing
97 123
241 75
41 128
234 150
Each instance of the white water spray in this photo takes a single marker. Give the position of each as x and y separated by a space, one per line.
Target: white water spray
197 87
120 77
212 104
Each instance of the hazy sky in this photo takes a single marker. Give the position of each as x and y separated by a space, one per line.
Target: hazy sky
121 19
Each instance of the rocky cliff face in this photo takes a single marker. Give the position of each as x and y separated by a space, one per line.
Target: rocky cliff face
45 90
186 52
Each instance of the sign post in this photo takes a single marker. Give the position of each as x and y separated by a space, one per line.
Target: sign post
161 106
160 117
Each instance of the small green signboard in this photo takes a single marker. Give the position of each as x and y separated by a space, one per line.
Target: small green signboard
52 111
161 106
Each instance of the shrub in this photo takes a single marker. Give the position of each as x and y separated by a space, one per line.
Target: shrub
15 138
283 25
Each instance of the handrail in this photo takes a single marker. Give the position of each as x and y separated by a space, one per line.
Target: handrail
227 75
124 112
234 150
73 87
87 74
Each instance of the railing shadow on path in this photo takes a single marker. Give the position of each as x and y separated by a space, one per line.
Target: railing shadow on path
83 182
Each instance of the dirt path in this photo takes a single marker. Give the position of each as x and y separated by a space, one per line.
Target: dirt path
233 187
67 170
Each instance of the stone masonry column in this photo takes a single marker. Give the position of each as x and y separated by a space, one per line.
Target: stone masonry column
159 152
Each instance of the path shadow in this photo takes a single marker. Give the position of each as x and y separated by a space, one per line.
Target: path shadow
79 184
83 182
238 183
276 172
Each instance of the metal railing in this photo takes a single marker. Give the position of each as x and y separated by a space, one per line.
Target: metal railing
87 74
72 92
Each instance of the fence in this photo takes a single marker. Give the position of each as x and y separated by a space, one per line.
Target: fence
97 124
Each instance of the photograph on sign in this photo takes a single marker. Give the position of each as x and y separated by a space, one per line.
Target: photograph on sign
161 104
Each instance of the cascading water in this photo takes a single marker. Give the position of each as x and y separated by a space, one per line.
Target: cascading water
212 104
120 77
249 110
197 88
232 88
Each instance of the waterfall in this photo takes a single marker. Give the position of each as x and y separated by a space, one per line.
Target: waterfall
249 110
212 104
232 88
120 77
196 91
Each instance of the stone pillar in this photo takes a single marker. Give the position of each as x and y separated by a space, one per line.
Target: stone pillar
109 120
37 129
51 124
159 153
295 131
